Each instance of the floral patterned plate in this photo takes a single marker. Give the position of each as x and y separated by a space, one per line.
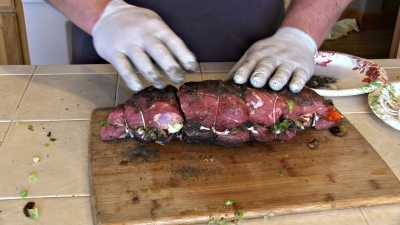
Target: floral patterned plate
385 103
339 74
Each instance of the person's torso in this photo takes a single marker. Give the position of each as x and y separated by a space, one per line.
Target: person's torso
218 30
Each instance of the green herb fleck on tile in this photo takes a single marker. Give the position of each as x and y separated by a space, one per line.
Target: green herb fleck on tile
52 139
30 127
32 177
23 193
33 213
46 145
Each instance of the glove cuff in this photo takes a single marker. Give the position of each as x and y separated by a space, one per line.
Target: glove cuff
111 7
297 34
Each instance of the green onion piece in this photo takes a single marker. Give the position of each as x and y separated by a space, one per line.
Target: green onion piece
23 193
46 145
269 215
52 139
33 213
239 213
228 202
32 177
184 177
279 174
104 122
291 104
35 159
30 127
283 125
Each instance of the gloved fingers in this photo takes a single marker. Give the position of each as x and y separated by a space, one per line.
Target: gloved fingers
281 76
163 57
145 66
263 71
243 73
185 57
125 71
237 65
299 80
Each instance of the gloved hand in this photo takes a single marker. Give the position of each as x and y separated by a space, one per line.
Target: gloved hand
288 54
125 34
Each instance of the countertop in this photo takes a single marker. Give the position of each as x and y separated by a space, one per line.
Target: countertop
59 100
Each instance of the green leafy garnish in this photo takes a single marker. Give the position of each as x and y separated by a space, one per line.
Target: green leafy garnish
228 202
279 174
280 127
104 122
32 177
23 193
52 139
291 104
184 177
33 213
30 127
239 213
46 145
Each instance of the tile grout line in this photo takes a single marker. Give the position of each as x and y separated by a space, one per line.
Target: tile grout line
45 197
19 102
363 215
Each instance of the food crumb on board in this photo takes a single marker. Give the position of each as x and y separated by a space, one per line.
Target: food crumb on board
140 154
189 171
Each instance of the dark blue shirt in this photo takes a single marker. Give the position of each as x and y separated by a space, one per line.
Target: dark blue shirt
214 30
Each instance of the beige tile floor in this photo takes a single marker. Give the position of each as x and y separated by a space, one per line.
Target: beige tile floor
62 188
63 166
3 131
15 86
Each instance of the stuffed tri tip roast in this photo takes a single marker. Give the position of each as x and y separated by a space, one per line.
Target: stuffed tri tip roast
223 113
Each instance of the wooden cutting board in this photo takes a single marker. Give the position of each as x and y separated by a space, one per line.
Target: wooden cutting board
181 183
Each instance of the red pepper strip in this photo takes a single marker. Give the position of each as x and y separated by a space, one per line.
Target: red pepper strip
332 115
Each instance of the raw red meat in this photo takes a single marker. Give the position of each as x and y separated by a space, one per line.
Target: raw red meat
222 113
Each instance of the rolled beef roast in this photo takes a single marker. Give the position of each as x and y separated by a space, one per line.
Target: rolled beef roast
223 113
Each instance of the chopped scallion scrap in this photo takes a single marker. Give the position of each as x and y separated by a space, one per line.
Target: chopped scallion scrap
104 122
33 213
239 213
30 127
32 177
290 104
46 145
52 139
279 174
228 202
184 177
35 159
23 193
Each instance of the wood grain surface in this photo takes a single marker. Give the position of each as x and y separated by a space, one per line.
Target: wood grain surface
181 183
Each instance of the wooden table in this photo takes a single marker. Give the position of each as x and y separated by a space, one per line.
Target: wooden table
58 101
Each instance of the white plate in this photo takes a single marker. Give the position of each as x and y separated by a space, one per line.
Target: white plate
391 89
353 75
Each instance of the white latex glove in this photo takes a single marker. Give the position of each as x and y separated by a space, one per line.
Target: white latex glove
287 55
126 35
